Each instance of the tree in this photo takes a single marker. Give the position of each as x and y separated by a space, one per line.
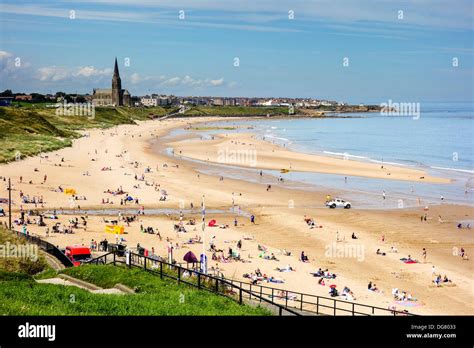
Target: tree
6 93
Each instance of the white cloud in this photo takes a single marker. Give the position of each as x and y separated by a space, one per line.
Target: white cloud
55 73
188 81
89 71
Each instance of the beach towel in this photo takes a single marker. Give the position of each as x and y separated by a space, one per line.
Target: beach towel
408 261
273 280
408 303
212 223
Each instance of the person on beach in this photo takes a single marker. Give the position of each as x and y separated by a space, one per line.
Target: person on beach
252 219
304 258
424 255
383 194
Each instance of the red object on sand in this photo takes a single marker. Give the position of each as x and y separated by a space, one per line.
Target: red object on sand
212 223
333 286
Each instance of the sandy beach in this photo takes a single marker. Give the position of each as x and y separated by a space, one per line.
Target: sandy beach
246 150
133 158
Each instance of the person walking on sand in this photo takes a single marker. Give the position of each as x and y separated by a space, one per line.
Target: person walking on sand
383 194
44 179
433 270
252 219
424 255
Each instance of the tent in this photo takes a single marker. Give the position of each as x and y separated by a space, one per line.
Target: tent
114 229
212 223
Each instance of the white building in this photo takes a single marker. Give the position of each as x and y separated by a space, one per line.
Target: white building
149 101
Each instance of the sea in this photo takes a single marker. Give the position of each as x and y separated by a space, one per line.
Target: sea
438 140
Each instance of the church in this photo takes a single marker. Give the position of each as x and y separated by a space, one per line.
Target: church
116 96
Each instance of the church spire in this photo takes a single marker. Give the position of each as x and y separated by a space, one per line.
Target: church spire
116 71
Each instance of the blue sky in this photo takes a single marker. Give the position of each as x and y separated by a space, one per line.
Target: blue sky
402 56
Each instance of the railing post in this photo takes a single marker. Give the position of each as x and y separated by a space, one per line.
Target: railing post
286 299
301 304
317 305
144 263
250 296
334 307
353 305
199 281
114 258
217 285
240 296
261 289
273 297
161 270
179 274
280 311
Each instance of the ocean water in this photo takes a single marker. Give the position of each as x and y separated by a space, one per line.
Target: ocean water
439 141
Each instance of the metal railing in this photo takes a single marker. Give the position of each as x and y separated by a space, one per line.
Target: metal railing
216 285
293 302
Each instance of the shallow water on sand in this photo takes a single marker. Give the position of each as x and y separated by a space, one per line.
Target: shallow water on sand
440 142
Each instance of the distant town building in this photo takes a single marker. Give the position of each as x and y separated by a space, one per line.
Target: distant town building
116 96
149 101
5 101
24 97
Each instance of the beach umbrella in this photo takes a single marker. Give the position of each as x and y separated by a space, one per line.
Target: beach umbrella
189 257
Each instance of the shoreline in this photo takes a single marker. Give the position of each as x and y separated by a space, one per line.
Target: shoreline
128 151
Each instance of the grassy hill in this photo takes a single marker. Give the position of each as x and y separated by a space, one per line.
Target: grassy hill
29 131
21 295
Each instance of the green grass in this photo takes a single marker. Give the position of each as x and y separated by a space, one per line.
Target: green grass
154 296
236 111
26 265
21 295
